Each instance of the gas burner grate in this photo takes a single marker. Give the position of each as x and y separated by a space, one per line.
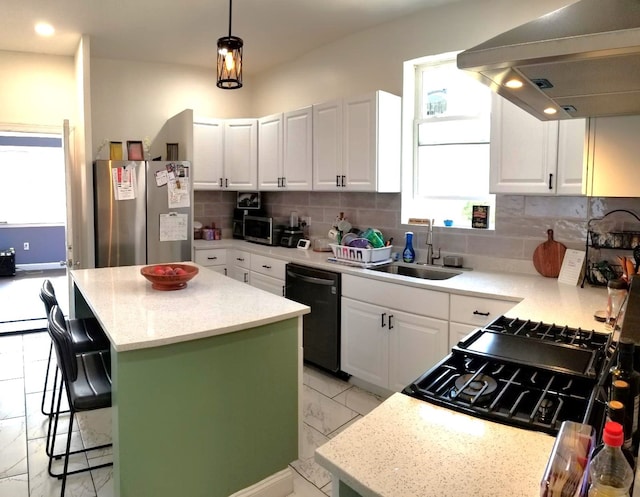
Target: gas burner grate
587 339
511 394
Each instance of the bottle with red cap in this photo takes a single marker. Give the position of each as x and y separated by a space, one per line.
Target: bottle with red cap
609 471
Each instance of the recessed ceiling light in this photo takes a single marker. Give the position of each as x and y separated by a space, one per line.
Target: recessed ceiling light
550 110
513 83
44 29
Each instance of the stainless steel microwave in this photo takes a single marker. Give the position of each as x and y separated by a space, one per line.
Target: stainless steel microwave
261 230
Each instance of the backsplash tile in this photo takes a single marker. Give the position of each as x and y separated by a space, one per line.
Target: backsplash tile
521 221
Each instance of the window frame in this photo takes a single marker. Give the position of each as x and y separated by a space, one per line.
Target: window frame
412 104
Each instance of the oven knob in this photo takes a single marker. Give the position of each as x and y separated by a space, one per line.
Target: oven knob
545 411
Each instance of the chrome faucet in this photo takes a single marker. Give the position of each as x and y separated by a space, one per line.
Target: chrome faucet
430 256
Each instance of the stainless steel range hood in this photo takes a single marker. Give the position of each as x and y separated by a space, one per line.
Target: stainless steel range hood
582 60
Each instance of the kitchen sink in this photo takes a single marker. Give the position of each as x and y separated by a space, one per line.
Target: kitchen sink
418 271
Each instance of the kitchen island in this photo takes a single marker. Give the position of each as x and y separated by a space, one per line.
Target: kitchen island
206 381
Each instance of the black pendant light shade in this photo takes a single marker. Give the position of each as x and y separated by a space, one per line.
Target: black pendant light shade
230 59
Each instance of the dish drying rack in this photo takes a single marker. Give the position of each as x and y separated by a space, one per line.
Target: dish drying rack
360 257
603 245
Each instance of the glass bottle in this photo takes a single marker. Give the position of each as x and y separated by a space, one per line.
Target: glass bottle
408 254
620 391
616 412
623 370
609 471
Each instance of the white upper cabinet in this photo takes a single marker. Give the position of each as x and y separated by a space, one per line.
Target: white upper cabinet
241 154
285 151
225 154
356 144
298 149
270 143
327 145
614 148
208 155
529 156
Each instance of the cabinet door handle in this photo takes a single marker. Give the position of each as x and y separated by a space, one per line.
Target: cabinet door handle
266 267
337 180
283 291
390 318
246 277
239 259
343 180
220 182
382 323
225 272
550 181
284 181
212 258
478 313
226 182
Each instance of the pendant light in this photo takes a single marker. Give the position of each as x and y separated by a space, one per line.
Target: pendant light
230 59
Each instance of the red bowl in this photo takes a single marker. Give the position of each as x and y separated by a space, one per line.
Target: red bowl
171 281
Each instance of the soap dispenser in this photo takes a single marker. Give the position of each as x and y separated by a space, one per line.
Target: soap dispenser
408 254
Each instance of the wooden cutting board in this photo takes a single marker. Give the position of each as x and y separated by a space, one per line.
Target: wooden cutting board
547 258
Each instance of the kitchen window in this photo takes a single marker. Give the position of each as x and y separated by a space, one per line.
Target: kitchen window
448 114
33 191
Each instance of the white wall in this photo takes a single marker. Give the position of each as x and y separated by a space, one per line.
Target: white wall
372 59
132 100
36 90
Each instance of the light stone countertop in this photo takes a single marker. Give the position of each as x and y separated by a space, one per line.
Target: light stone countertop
538 298
406 447
136 316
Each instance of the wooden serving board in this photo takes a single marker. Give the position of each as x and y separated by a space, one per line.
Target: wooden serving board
547 258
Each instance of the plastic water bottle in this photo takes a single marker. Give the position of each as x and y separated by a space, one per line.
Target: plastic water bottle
408 254
609 471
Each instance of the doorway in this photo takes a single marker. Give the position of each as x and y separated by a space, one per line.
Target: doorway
33 223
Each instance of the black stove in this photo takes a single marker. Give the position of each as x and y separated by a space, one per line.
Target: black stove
523 373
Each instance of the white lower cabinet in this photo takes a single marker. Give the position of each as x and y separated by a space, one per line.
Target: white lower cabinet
268 274
213 259
239 265
384 340
268 284
468 313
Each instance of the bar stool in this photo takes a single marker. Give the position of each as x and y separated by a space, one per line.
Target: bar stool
86 379
86 334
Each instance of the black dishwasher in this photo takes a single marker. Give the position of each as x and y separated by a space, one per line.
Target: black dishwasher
321 291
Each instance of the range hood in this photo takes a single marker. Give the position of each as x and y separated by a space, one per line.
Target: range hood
582 60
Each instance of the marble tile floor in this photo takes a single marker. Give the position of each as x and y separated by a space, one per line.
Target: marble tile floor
329 406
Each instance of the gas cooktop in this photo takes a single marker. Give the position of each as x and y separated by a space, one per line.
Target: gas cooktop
522 373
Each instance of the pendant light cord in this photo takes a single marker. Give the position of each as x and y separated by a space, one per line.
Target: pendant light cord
230 11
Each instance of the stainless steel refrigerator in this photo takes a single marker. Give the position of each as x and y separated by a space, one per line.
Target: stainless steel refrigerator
143 212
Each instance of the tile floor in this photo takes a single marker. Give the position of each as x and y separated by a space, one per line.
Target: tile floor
20 305
329 405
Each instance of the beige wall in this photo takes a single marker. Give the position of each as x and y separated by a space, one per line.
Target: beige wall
372 59
132 100
36 90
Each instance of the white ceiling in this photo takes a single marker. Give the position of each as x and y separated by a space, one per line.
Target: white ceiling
186 31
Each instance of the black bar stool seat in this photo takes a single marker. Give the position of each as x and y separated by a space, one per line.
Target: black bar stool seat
86 336
86 379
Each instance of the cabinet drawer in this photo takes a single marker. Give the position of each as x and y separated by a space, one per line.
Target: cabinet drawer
240 258
268 284
402 297
477 311
211 257
269 266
